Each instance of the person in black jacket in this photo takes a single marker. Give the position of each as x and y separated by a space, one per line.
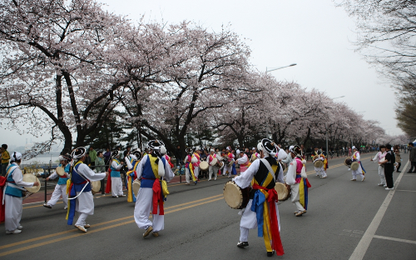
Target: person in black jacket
388 163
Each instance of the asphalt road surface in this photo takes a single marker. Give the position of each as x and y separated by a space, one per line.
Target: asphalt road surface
345 220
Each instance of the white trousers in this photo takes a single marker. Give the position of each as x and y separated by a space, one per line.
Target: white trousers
227 168
116 186
82 220
142 209
249 221
381 174
294 197
60 190
213 170
356 173
13 212
85 207
320 172
196 172
188 176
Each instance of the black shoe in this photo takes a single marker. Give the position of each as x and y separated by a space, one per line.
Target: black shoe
242 244
409 172
270 253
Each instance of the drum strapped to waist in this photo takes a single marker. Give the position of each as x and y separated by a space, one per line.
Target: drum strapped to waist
203 166
213 162
136 186
354 166
234 196
318 164
283 191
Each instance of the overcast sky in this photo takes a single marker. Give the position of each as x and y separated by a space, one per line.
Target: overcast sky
315 35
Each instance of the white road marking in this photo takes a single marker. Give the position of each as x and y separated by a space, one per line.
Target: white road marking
369 234
396 239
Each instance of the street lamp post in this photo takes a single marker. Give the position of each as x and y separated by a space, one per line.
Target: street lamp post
291 65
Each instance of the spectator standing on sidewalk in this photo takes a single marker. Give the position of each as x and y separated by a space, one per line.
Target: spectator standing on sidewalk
5 157
107 157
388 163
100 163
412 158
93 155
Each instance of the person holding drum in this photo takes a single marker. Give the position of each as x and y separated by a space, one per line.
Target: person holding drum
196 160
14 193
116 183
132 161
229 166
213 165
60 189
243 161
379 157
254 155
320 163
153 170
360 171
80 196
189 167
297 179
262 175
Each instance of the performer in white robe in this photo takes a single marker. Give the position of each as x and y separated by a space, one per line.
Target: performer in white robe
60 188
80 196
379 157
152 170
262 175
116 183
213 168
243 161
360 171
318 156
189 167
13 195
298 180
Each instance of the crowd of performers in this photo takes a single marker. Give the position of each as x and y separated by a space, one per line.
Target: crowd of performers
260 169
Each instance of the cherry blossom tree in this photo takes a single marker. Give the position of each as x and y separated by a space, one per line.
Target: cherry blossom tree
197 72
55 67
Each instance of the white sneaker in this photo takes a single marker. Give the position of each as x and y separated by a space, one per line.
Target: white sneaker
16 231
363 179
389 188
20 227
66 207
380 184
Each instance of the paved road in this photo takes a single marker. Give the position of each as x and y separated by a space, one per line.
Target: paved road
345 220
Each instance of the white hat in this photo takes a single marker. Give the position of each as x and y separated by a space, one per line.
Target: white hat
16 156
267 146
78 153
354 147
155 144
212 150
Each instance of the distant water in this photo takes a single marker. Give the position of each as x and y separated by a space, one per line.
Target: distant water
43 159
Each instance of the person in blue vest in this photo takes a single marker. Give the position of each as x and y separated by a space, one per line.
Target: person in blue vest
60 188
152 170
80 195
13 194
116 183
